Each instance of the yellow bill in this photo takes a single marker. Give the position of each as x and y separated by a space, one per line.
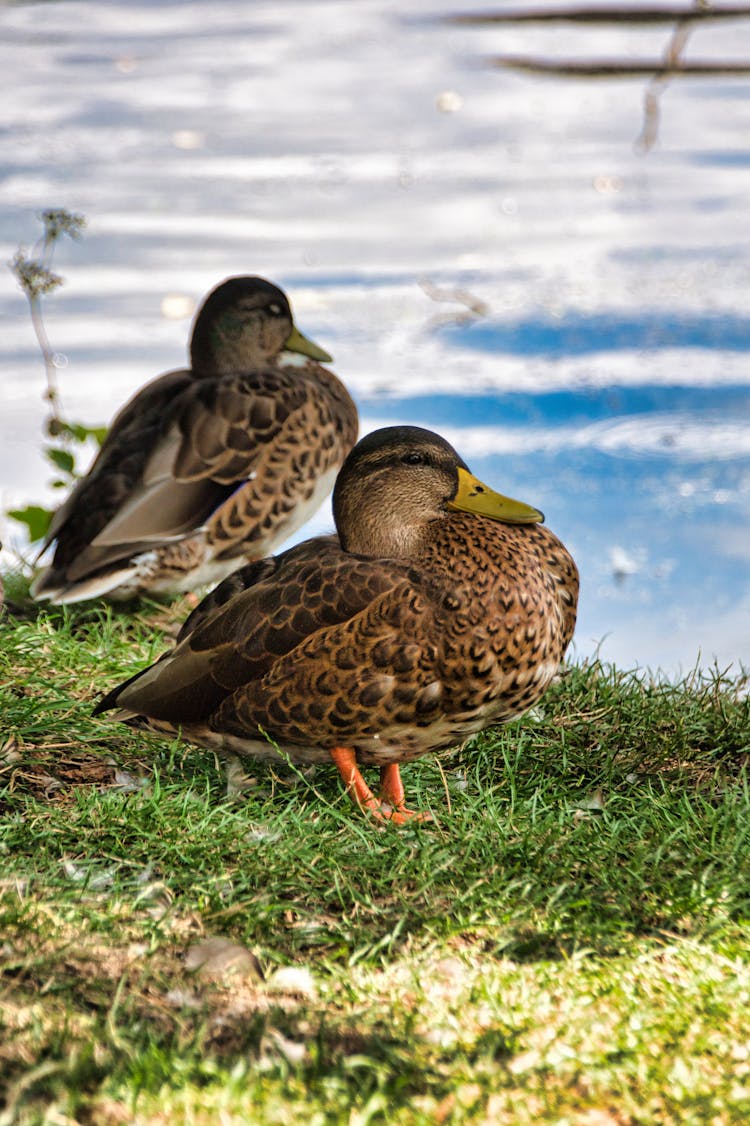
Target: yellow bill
474 496
296 342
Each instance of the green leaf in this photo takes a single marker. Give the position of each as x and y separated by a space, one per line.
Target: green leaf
98 433
36 519
63 459
78 431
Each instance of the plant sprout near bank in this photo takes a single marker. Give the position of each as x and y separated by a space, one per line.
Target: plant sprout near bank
37 279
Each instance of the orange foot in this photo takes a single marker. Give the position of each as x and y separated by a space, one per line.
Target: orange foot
390 806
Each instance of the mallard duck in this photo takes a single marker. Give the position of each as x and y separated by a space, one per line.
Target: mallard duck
207 467
440 608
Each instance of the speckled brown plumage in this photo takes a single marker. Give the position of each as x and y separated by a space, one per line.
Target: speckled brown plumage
420 626
208 466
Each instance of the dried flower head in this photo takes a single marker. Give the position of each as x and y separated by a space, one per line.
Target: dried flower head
34 278
58 221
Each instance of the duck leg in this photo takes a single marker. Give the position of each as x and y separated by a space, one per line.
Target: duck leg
390 805
392 792
391 786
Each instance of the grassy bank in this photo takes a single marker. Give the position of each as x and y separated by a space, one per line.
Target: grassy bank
566 942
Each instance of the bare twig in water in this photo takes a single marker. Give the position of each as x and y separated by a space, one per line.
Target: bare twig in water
658 84
665 13
617 68
474 306
671 65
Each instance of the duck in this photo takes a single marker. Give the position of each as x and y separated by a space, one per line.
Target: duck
439 607
206 467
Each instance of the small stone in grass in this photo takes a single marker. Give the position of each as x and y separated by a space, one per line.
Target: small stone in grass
218 957
293 979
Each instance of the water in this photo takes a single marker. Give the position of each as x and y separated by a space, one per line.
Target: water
391 183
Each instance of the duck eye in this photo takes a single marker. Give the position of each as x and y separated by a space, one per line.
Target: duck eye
275 310
413 458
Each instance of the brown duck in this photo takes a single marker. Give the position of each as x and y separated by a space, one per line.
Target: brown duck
209 466
441 608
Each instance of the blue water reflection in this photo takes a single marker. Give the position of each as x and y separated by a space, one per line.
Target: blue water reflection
576 407
605 332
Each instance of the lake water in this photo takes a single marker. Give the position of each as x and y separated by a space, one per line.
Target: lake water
392 182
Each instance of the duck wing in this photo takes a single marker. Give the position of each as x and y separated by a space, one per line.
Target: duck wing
310 588
173 457
116 467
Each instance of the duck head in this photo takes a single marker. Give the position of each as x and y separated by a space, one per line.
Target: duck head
398 480
244 324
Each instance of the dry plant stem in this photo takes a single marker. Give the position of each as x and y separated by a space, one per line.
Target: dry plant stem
52 394
36 278
444 780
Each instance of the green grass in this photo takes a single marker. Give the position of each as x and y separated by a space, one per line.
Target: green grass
567 942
